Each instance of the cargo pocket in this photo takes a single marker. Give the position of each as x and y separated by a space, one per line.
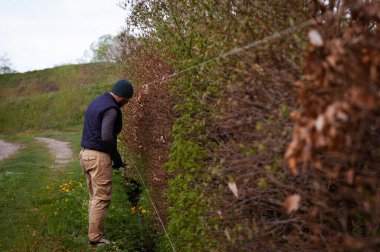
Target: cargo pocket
89 161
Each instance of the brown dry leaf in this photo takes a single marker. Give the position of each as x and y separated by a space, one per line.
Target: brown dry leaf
353 242
373 73
350 176
295 115
233 188
293 166
320 123
362 98
292 203
315 38
367 206
313 215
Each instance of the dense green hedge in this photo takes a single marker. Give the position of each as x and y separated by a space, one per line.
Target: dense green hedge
183 34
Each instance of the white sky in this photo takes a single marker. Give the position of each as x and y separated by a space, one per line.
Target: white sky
38 34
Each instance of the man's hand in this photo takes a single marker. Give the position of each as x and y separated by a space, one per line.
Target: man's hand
120 166
123 170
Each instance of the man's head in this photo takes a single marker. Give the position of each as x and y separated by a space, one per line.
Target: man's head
122 90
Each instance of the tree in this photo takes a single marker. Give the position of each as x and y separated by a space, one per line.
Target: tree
110 48
5 65
106 49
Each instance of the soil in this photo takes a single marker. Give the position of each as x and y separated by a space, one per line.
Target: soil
8 149
61 150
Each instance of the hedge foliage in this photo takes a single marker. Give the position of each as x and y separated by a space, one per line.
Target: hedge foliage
228 187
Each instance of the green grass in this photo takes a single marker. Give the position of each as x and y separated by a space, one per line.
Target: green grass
54 98
55 79
20 184
44 209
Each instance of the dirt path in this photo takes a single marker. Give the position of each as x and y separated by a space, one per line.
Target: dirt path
61 150
8 149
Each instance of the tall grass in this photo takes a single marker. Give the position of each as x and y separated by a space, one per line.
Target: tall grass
53 98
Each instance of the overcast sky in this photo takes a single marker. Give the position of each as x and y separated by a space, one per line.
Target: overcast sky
38 34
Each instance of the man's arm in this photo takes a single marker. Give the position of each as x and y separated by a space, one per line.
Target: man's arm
109 141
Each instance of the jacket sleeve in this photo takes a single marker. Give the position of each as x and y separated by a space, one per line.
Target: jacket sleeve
108 139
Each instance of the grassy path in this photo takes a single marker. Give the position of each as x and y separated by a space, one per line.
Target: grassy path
18 180
45 209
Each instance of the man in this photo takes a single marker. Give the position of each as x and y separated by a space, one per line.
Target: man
102 124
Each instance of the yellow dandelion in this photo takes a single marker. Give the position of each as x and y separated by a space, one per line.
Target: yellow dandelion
143 211
67 190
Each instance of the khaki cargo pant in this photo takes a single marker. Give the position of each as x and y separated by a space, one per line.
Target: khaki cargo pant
97 167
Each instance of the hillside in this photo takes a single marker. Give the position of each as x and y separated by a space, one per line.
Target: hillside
53 98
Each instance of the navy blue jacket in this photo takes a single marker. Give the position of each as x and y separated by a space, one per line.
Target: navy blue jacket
92 129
